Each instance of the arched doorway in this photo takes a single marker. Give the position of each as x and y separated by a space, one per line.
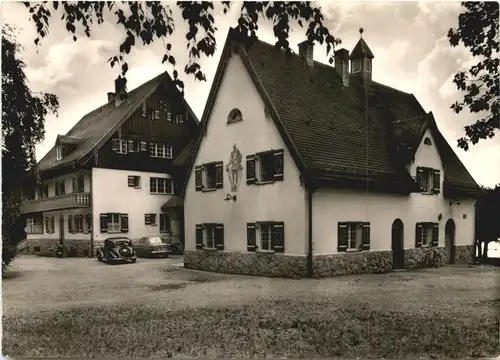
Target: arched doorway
398 252
449 240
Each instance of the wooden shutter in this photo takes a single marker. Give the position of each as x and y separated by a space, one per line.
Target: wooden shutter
198 172
342 237
74 184
124 223
104 223
435 234
278 165
365 244
278 241
199 237
219 236
418 235
131 147
88 218
131 181
251 244
420 177
52 225
78 223
147 219
47 225
144 146
219 175
251 176
436 181
114 144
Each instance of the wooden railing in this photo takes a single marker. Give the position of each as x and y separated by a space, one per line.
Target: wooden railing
60 202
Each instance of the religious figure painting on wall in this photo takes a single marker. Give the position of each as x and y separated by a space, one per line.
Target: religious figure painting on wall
234 168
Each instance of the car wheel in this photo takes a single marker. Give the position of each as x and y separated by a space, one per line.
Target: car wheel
133 261
99 256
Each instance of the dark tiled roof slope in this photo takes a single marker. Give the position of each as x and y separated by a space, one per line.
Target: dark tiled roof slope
94 126
361 49
332 128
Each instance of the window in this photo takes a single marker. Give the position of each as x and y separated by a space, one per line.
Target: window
353 236
60 187
427 141
59 152
180 119
143 109
122 146
426 234
131 147
209 176
368 65
150 219
266 236
43 191
34 225
169 117
134 181
81 183
49 225
210 173
160 186
265 167
164 223
160 150
234 116
356 65
429 180
114 223
157 114
78 221
210 236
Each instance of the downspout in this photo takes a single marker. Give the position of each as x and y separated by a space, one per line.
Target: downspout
310 269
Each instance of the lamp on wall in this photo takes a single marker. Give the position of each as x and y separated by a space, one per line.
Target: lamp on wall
230 197
440 216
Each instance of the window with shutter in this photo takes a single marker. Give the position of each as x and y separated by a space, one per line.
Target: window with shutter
210 172
365 245
210 235
278 165
47 225
219 236
122 147
251 173
114 144
147 219
219 175
266 167
251 243
124 223
52 224
436 188
76 224
104 223
131 146
435 234
199 237
144 146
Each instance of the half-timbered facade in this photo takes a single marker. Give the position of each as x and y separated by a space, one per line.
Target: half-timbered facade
116 172
309 169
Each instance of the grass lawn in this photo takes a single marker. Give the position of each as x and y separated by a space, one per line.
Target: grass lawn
434 313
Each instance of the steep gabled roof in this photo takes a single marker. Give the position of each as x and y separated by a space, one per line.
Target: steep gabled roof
361 50
335 134
96 127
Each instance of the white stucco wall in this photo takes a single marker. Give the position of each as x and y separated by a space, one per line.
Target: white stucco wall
281 201
331 206
111 194
68 179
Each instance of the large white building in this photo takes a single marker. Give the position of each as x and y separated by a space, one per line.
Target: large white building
308 169
116 172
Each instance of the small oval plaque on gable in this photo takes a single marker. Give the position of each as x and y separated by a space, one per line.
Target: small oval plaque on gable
234 116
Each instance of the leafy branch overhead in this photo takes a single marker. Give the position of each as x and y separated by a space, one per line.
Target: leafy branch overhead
146 22
478 32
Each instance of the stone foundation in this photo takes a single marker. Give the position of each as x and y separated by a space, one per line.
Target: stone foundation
464 254
278 265
425 257
48 247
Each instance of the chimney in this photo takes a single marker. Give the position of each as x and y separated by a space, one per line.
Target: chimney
111 97
120 90
342 65
306 51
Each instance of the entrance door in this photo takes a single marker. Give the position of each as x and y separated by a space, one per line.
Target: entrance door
449 240
61 229
398 252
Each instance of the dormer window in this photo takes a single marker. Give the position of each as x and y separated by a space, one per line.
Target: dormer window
368 65
429 180
59 152
427 141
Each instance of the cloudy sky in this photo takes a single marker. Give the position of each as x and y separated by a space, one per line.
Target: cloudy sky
408 39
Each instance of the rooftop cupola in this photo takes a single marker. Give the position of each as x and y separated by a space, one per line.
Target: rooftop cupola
361 59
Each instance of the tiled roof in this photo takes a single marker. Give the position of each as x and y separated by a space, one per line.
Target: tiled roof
334 132
94 127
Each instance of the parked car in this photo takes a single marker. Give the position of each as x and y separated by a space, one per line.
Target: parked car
117 249
151 246
175 246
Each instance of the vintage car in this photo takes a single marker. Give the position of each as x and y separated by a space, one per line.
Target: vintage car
151 246
116 249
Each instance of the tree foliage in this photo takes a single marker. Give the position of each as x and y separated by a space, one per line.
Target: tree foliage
23 126
146 22
478 32
487 216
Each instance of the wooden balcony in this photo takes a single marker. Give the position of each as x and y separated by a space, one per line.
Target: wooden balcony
61 202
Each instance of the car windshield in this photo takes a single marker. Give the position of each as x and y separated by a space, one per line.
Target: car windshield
121 242
155 240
